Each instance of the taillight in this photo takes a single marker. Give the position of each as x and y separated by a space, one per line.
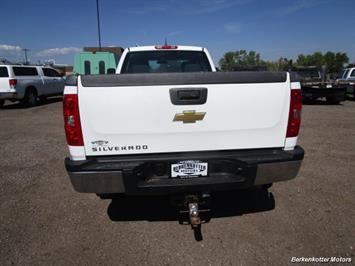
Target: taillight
72 124
167 47
12 82
294 117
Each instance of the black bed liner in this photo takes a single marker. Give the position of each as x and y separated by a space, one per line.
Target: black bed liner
182 78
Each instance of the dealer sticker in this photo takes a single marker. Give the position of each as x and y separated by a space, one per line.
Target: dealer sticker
189 169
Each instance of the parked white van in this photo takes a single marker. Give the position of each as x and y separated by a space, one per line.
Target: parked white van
29 83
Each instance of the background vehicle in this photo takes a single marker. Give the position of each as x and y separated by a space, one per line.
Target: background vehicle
315 85
28 83
347 78
95 60
88 63
169 123
347 74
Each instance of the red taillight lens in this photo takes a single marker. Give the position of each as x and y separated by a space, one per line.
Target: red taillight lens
12 82
294 117
166 47
72 124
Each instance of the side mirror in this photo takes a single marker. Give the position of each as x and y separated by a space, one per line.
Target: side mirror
111 71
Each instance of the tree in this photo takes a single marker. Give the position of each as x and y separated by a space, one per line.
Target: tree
333 61
282 64
340 60
241 58
227 62
315 59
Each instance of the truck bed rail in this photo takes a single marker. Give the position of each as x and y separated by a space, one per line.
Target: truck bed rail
182 78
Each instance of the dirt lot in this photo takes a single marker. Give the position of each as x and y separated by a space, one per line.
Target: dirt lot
43 221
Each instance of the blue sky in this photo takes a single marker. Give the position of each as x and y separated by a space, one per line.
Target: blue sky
57 29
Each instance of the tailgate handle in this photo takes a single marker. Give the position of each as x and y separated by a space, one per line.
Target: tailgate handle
188 96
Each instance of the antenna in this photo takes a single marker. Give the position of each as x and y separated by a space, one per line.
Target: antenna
166 41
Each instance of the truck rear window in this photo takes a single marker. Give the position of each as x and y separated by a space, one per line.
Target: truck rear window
3 72
165 61
48 72
308 73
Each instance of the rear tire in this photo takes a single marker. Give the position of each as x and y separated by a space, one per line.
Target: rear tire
353 94
30 98
2 101
42 99
332 100
307 100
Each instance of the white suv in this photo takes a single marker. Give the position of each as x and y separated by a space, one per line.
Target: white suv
347 74
347 77
29 83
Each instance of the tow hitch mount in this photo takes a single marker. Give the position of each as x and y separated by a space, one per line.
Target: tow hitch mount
197 208
194 215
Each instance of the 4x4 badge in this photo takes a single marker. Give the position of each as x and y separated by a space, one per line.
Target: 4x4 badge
190 116
99 143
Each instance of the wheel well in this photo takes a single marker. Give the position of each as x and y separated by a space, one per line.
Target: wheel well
33 88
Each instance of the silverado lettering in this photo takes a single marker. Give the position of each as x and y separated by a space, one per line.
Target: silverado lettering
119 148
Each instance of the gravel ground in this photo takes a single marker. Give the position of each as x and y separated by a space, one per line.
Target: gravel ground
43 221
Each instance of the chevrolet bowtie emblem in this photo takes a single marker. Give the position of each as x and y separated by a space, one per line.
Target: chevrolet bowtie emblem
189 116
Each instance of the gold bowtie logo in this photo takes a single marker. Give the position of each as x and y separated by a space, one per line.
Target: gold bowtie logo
189 116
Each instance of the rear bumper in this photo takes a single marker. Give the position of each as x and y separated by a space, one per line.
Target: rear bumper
336 93
8 95
150 174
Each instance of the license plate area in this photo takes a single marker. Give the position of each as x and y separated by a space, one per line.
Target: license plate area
189 169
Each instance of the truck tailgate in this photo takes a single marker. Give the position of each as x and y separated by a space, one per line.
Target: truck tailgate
134 113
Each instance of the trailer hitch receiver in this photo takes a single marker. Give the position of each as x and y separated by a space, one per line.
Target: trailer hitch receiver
194 215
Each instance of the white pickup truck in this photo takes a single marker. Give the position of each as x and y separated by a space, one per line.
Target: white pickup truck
347 78
168 123
28 83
